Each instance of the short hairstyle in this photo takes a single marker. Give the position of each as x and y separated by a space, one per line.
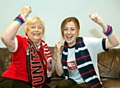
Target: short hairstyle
33 20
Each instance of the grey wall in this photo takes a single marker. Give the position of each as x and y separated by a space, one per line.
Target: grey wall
54 11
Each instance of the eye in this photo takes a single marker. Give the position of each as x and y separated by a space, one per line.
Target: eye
39 27
65 29
72 29
32 27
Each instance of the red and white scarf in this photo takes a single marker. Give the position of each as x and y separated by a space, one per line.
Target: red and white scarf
36 65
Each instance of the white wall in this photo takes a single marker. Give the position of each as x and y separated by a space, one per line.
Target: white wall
54 11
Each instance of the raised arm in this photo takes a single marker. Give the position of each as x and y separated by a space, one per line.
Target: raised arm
112 39
9 34
57 56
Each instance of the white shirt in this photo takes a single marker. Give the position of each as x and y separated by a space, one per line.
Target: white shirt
94 46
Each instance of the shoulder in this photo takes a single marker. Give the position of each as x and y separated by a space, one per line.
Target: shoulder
94 43
21 37
43 43
92 40
20 41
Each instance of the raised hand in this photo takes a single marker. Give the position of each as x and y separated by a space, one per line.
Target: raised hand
97 19
26 10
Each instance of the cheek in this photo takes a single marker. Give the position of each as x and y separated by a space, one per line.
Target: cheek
76 32
42 31
64 32
29 32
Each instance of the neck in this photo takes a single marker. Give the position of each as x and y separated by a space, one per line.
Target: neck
37 42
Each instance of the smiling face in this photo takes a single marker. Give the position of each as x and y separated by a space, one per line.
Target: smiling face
70 33
70 30
35 30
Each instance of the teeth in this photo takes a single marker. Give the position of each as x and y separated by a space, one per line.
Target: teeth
69 36
36 34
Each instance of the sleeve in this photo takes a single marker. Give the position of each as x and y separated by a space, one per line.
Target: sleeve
18 43
104 44
96 44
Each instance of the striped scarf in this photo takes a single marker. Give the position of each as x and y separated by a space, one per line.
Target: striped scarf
84 63
36 66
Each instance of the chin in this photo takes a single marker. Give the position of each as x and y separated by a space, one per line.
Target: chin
69 42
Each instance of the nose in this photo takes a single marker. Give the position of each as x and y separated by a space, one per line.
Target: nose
68 31
36 29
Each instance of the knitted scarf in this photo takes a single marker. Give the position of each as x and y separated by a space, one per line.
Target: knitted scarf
84 63
37 72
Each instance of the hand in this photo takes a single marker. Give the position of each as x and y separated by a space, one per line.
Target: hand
97 19
58 48
26 10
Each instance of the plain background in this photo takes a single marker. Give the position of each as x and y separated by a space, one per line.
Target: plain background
52 12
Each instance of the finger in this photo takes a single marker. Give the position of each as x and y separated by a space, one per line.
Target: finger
30 9
90 15
59 42
93 16
55 45
61 47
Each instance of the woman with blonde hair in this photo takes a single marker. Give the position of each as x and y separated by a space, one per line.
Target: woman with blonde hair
31 64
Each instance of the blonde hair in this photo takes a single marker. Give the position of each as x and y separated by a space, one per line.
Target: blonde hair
33 20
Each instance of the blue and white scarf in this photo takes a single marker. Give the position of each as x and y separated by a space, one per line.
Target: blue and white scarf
84 63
